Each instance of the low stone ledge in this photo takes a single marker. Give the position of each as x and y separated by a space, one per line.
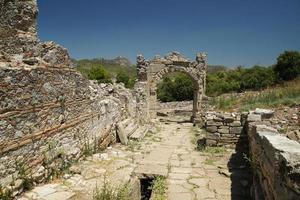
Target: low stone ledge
277 164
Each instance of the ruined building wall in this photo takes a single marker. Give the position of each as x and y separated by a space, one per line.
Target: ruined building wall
50 115
274 159
18 36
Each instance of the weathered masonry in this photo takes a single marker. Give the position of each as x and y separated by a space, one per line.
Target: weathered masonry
274 159
151 72
50 116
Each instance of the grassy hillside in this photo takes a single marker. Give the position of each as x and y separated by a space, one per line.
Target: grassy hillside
113 66
287 94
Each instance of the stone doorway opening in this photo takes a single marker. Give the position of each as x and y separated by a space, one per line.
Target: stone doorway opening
176 93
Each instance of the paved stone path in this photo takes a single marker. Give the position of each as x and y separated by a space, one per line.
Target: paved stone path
191 175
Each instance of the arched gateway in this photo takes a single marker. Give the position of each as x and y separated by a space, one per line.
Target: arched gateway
151 72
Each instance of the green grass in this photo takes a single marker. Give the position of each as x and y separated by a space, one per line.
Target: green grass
108 192
285 95
214 150
213 153
159 188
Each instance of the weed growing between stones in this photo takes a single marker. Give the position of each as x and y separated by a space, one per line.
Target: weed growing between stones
5 194
210 160
55 161
24 175
108 192
214 150
159 188
87 150
212 153
251 161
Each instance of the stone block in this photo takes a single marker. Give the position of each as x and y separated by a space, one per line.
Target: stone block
217 119
265 113
254 118
122 134
212 129
294 135
236 130
210 142
213 123
213 136
235 124
228 119
227 136
224 130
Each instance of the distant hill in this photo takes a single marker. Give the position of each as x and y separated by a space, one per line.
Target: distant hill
113 66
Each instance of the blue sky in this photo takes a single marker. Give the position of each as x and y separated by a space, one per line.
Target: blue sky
232 32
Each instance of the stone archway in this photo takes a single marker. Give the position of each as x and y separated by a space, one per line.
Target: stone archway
151 72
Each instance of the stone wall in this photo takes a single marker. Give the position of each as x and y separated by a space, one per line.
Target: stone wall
224 128
274 159
18 36
175 105
51 117
275 162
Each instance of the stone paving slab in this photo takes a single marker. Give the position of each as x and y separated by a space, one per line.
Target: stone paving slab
170 152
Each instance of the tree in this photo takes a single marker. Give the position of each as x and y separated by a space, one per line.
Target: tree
176 86
100 74
288 66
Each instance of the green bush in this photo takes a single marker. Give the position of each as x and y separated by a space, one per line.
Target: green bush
288 65
124 77
100 74
176 86
257 77
239 79
223 82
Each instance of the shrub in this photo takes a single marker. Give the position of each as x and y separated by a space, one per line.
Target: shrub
100 74
176 87
256 78
108 192
288 65
124 77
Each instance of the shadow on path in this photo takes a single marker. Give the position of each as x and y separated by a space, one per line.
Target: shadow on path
240 171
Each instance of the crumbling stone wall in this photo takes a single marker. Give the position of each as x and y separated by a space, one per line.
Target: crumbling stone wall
151 72
18 36
274 159
50 116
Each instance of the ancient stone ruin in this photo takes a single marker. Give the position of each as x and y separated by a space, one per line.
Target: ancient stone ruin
151 72
51 117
